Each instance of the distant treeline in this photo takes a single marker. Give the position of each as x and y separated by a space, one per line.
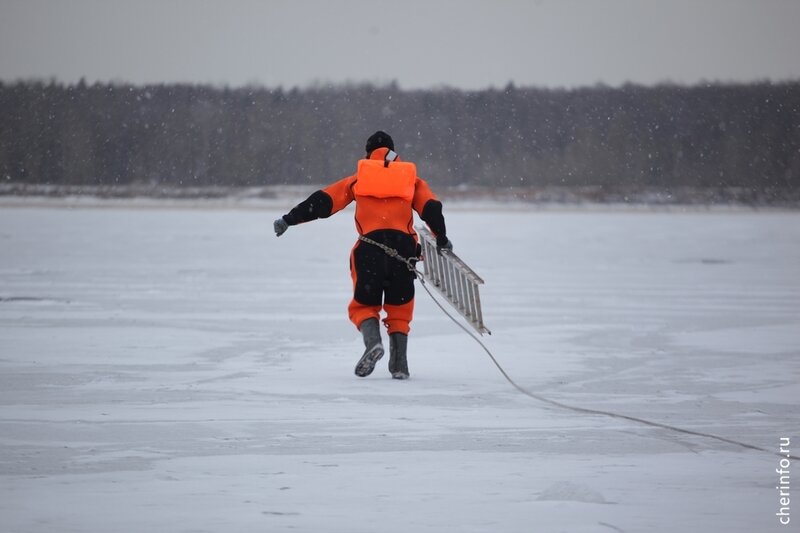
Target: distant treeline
718 135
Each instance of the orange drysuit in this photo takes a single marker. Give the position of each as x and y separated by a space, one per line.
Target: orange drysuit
386 193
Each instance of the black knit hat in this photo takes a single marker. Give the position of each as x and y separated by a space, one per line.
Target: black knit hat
379 139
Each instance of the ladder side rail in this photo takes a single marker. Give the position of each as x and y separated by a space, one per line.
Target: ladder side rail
478 307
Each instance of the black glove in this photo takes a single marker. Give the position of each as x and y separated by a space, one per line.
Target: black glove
443 243
280 226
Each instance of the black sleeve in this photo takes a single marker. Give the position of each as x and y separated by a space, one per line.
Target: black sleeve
318 205
433 217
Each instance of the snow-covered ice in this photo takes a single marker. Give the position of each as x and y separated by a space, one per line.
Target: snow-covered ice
182 370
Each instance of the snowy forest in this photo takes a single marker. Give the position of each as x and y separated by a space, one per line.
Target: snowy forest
709 136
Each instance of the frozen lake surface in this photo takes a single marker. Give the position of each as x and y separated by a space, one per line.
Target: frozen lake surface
182 370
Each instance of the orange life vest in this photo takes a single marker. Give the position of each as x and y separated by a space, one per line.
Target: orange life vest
395 180
386 196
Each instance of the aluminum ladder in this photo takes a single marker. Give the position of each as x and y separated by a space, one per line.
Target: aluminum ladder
454 280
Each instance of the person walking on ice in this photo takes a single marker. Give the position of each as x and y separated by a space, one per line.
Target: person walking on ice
387 191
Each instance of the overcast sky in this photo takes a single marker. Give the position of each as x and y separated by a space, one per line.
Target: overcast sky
418 43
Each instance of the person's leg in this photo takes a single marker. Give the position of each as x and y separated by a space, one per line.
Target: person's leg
373 347
398 317
364 308
365 270
399 307
398 301
398 298
398 361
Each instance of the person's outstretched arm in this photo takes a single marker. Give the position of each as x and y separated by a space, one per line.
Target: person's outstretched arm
321 204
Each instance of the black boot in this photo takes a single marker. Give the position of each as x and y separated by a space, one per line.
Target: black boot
371 330
398 362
